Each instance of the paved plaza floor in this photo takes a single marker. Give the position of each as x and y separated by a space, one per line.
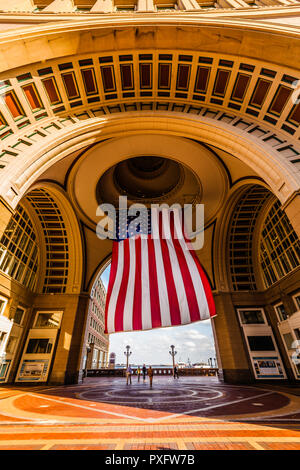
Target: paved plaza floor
191 413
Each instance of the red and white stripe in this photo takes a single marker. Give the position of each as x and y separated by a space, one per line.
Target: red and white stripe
156 282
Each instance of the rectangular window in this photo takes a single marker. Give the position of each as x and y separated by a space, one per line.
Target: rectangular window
297 333
261 343
282 95
89 81
108 78
221 82
39 346
3 303
297 301
48 320
11 344
183 77
2 338
164 76
240 87
13 104
145 75
251 317
70 85
52 90
3 123
288 339
261 90
19 314
294 116
281 313
32 96
126 76
202 79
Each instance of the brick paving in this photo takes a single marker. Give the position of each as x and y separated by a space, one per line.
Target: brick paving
192 413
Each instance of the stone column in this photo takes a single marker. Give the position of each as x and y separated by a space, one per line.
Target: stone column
71 347
234 367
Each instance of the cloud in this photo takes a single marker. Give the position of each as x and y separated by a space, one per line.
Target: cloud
194 342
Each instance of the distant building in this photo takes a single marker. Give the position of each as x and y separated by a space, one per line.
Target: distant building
112 360
95 336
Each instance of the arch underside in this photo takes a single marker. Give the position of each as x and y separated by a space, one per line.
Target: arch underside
214 80
214 95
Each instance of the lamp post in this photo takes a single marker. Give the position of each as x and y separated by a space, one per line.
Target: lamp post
173 354
127 354
88 350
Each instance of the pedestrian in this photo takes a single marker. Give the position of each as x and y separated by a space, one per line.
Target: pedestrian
176 376
150 375
128 375
144 370
138 371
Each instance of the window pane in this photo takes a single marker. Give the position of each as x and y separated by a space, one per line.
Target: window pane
261 343
251 316
39 346
48 320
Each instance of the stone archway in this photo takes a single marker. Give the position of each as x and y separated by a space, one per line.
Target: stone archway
214 95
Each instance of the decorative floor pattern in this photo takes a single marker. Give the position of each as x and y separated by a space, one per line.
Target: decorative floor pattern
192 413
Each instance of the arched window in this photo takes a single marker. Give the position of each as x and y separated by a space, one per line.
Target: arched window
241 237
19 250
279 246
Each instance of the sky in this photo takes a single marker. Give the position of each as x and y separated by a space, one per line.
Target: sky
192 342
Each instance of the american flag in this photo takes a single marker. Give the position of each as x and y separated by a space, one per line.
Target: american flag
155 280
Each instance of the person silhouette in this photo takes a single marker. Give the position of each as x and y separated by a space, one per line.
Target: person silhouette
150 375
144 370
128 375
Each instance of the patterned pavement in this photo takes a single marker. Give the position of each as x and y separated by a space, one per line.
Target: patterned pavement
192 413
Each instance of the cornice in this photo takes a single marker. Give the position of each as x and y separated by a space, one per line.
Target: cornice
41 17
117 21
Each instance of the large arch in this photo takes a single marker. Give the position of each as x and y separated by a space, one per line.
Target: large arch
221 90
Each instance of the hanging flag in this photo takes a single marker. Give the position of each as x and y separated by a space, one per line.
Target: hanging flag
155 279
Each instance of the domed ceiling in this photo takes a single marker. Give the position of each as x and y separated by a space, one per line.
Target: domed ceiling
147 179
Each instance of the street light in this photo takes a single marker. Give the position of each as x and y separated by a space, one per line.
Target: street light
173 354
127 354
88 350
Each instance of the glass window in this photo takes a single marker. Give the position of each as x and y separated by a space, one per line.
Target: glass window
3 303
241 230
48 320
297 301
282 315
251 316
288 339
15 246
2 337
39 346
279 246
11 344
19 315
297 333
261 343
